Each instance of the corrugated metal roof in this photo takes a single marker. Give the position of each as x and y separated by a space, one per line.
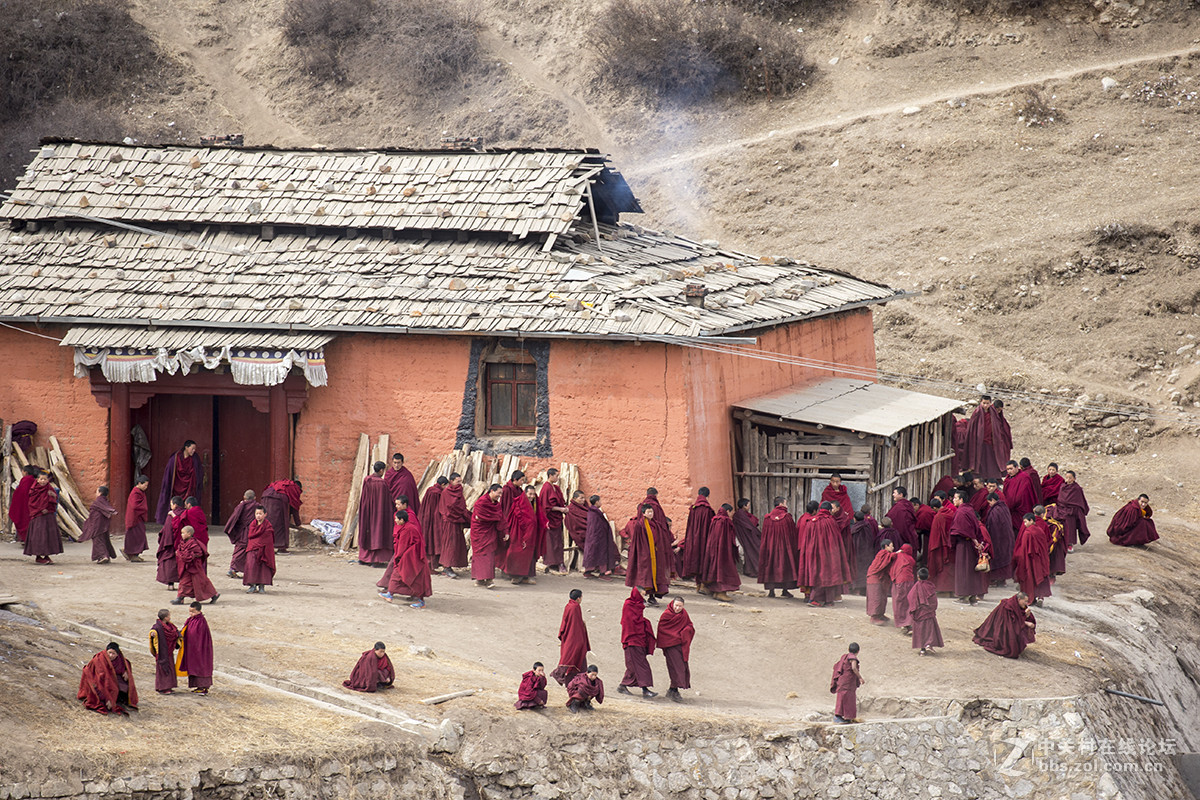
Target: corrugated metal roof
852 405
175 339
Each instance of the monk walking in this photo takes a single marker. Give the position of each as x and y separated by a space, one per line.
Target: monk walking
197 657
410 570
675 634
1009 629
777 565
1071 508
599 551
487 531
137 511
373 672
649 556
903 576
532 692
879 583
375 519
718 568
1031 559
194 516
1131 526
237 528
553 505
452 519
695 538
168 564
922 605
573 640
42 538
260 553
637 639
107 684
845 683
526 534
749 537
183 476
193 581
576 523
164 641
584 688
430 504
95 527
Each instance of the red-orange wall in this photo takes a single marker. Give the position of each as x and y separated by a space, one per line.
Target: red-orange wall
38 383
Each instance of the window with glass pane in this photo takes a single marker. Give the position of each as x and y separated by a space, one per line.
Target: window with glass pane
512 398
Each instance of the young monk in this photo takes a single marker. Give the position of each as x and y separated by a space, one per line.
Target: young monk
95 527
168 566
637 639
164 641
137 511
718 564
583 689
573 640
452 518
922 605
903 578
845 683
107 685
410 572
193 582
879 583
42 538
532 693
487 532
373 672
1009 629
675 634
197 657
260 553
237 528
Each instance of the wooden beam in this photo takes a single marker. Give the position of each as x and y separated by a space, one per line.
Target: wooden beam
807 474
350 520
924 464
881 486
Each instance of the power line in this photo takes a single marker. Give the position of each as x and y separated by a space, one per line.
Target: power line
31 333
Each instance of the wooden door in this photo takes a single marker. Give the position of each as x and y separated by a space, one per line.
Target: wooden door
243 455
172 420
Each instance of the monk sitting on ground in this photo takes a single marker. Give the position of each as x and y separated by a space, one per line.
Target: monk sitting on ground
845 683
107 686
583 689
1132 525
373 671
1009 628
532 693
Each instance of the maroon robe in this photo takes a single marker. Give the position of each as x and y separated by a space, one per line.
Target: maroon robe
649 555
998 521
978 501
923 520
749 537
845 685
452 519
410 565
260 554
573 644
904 523
1131 526
695 538
182 478
1035 482
1004 632
827 567
168 566
845 522
1053 530
988 442
862 538
879 584
1072 509
526 535
637 639
18 510
196 518
839 496
777 565
1051 486
599 549
576 522
944 484
487 529
164 641
675 634
95 528
805 553
371 673
550 497
718 569
532 691
508 493
401 482
922 606
1020 497
375 512
1031 561
192 556
964 533
41 535
583 690
281 500
101 684
428 519
197 658
903 576
237 528
939 555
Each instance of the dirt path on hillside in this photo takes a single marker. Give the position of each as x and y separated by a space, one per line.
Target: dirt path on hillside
222 59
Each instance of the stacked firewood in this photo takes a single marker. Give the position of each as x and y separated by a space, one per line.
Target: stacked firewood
72 507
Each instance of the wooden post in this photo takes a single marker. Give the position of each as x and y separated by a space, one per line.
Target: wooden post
279 441
120 455
6 486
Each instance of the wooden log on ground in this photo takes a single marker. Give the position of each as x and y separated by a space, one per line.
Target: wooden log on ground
350 520
441 698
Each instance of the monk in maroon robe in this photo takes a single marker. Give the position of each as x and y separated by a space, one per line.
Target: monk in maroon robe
944 485
487 531
904 519
967 540
649 555
903 576
401 482
675 634
1035 480
573 641
806 544
828 568
922 606
845 683
637 639
164 641
1072 509
428 519
862 537
777 565
553 505
977 493
1009 629
375 511
373 672
599 551
452 519
95 527
532 694
237 528
718 569
583 689
835 492
183 476
844 522
923 520
410 572
939 555
695 537
401 504
197 656
42 538
1019 494
194 517
526 535
879 582
988 440
18 509
749 537
998 521
1052 529
168 565
191 556
1130 526
282 501
107 684
1031 559
576 520
260 553
1052 482
512 490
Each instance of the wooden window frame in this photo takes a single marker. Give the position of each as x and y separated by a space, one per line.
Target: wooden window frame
516 381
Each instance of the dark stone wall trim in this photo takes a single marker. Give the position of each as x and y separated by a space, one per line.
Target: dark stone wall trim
539 445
